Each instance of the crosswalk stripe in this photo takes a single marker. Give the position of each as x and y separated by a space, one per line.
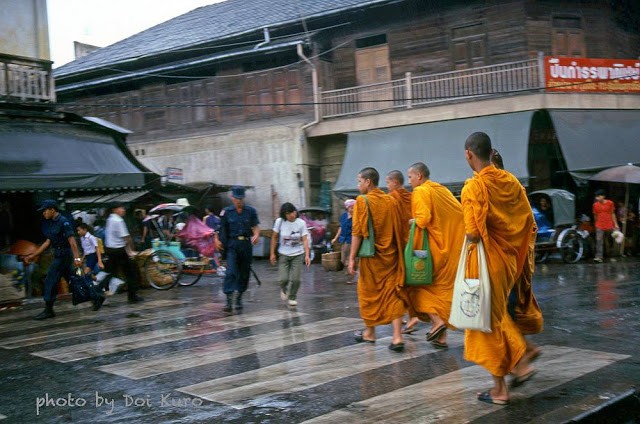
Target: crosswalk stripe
155 337
254 387
452 397
222 351
104 326
84 312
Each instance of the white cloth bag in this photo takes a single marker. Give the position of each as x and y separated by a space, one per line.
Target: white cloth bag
471 304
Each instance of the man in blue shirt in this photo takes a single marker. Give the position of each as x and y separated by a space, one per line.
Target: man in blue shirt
60 236
239 231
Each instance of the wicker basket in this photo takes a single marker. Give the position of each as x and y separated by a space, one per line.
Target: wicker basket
331 261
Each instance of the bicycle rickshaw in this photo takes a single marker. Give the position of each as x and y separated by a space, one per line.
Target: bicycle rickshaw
557 227
178 262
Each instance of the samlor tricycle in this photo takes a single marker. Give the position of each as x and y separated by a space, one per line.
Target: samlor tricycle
554 212
184 260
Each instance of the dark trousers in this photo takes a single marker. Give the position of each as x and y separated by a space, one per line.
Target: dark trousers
60 267
91 261
120 265
239 257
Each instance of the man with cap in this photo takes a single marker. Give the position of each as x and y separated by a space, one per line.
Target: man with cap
239 231
60 236
116 241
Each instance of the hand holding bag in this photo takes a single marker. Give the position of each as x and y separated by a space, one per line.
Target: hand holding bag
471 304
81 287
368 245
418 263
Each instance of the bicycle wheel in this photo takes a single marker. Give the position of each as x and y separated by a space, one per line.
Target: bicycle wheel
192 270
162 270
572 248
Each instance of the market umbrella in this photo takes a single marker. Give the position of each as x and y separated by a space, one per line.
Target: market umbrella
627 174
167 207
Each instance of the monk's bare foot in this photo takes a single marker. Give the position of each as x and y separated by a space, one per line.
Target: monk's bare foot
494 396
533 352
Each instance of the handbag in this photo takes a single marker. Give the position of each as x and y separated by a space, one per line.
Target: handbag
81 287
367 245
471 303
418 263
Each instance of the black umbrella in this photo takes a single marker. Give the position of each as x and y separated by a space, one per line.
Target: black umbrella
627 174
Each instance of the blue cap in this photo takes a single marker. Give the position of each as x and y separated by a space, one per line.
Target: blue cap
237 192
47 204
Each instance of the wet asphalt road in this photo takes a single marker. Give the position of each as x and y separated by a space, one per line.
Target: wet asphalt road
179 358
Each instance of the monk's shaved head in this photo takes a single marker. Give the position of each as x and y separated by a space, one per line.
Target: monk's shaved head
370 174
421 168
480 144
396 176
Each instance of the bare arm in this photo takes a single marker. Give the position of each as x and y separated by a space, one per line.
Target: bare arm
355 246
307 253
335 239
274 241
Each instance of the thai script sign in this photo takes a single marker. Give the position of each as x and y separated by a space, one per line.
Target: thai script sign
174 174
593 75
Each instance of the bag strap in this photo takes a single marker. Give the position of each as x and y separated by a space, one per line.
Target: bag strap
369 218
425 237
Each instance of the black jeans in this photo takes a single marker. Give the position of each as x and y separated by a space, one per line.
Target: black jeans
120 264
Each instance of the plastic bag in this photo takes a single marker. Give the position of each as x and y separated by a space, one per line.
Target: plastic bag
199 236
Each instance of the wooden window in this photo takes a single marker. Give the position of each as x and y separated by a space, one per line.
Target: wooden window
469 46
568 37
373 67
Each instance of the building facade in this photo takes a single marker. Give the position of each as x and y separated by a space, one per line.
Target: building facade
294 101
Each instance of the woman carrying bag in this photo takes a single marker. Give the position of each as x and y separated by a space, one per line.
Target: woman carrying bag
291 235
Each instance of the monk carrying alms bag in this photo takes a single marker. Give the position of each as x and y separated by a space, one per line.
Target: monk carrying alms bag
471 303
418 263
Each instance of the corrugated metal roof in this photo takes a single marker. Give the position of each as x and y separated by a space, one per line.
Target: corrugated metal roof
210 23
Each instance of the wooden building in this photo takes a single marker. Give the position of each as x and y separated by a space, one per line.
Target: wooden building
294 96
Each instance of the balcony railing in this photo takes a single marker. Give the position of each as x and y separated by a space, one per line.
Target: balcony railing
429 89
25 80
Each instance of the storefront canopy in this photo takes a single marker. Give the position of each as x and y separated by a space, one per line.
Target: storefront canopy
63 156
595 139
440 145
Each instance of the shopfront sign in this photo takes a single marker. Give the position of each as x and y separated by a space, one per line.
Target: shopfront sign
174 174
574 74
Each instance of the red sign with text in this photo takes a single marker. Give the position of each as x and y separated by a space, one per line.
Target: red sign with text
576 74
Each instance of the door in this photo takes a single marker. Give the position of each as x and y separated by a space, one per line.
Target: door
372 67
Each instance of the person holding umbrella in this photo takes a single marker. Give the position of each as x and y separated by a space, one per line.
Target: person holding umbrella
604 215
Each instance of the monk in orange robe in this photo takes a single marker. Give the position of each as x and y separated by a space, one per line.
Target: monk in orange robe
381 277
496 211
437 211
523 306
395 186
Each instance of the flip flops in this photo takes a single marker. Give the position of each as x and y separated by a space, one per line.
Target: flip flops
409 330
486 397
439 345
360 339
436 333
520 380
396 347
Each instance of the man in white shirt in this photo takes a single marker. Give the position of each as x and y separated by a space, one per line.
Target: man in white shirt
117 240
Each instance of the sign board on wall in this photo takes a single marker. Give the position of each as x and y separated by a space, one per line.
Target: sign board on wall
576 74
174 174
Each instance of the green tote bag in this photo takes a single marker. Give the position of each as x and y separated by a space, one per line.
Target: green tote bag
418 263
368 245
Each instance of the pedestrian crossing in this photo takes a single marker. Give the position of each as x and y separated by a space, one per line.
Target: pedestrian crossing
445 397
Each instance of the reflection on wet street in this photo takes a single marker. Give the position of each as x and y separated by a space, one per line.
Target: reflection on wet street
178 357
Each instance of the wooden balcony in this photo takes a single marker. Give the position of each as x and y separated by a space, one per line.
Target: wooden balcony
418 90
25 80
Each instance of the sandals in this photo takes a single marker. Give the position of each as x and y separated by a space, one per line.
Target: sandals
439 345
409 330
518 381
360 339
486 397
435 334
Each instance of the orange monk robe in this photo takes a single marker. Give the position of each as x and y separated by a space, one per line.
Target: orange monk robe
403 197
496 208
436 210
381 276
528 315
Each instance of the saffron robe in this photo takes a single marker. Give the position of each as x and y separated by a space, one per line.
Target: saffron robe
403 197
528 315
381 276
496 209
435 209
